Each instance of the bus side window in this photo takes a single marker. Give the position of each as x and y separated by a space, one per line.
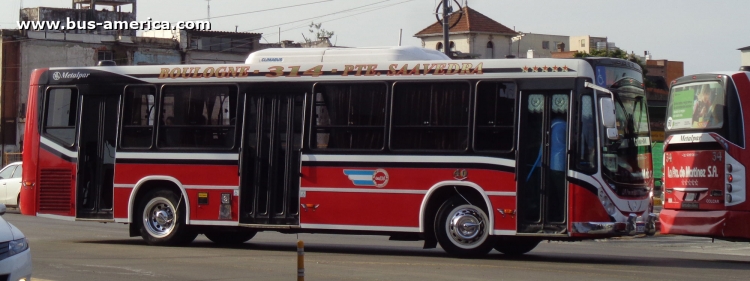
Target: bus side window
735 131
349 116
198 116
586 161
60 117
430 116
495 116
138 117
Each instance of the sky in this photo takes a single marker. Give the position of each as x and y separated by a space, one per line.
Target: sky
703 34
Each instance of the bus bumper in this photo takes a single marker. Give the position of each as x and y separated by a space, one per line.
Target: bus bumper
718 224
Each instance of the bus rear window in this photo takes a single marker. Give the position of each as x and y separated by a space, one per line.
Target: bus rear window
60 118
697 105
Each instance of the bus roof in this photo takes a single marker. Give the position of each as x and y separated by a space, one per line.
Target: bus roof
316 55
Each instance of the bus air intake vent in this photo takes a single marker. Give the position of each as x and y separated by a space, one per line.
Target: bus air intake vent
55 190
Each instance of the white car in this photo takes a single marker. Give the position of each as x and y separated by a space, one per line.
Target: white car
10 184
15 256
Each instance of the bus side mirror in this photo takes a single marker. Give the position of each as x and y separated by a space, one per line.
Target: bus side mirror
608 117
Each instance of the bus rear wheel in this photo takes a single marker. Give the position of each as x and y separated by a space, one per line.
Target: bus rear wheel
462 229
230 238
163 220
516 246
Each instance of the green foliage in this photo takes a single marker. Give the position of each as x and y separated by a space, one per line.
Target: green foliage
617 53
318 32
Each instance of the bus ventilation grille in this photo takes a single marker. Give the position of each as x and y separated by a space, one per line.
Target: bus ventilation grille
55 190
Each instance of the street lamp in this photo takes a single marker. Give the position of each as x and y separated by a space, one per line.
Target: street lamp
518 38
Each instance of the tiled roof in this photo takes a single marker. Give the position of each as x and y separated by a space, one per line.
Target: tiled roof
744 48
471 21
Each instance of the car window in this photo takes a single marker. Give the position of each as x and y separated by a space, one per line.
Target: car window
18 172
7 172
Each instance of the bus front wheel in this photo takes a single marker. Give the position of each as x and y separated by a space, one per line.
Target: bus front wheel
163 220
462 228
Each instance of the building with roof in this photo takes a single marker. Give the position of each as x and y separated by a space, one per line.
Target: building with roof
745 56
472 35
202 46
21 51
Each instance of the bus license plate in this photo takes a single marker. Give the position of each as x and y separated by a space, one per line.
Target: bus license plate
640 228
689 205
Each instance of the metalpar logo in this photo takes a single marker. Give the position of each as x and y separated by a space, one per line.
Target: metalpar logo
69 75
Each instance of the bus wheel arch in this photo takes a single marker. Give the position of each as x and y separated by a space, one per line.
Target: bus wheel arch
172 195
441 193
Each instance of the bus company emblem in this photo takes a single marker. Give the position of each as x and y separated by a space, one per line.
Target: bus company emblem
377 178
69 75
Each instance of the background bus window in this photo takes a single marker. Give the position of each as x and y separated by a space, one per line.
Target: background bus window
60 120
198 116
587 138
349 116
495 112
430 116
138 117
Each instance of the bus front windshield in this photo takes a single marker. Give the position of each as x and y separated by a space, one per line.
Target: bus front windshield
628 159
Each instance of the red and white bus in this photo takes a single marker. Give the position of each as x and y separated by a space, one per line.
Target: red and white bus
471 154
705 157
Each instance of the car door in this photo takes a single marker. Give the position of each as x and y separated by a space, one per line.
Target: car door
13 188
6 177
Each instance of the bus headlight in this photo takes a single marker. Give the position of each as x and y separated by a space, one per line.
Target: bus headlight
607 203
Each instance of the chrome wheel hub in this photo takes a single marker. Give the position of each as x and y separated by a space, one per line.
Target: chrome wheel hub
467 226
158 217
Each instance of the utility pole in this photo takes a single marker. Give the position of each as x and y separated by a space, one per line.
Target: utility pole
446 27
208 10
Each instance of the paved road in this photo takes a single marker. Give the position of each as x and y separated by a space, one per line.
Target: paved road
63 250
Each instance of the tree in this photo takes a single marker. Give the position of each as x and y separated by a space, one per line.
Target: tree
317 33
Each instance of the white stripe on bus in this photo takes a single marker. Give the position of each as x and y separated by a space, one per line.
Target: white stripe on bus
362 190
359 227
58 148
186 186
408 159
177 156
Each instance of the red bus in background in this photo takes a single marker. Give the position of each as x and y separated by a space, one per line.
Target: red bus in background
705 155
470 154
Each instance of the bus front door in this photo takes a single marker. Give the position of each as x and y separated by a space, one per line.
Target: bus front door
542 162
96 156
270 159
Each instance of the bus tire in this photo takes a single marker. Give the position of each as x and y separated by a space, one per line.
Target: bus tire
163 220
516 246
461 229
230 238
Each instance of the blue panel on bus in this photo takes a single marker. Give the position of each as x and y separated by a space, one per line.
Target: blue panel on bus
557 145
601 76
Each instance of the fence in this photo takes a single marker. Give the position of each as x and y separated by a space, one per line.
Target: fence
10 157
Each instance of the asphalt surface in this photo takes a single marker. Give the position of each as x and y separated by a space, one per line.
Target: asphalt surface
64 250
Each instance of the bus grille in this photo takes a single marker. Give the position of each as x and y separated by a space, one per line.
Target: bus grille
55 190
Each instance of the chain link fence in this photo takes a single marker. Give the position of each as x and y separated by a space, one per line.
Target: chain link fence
10 157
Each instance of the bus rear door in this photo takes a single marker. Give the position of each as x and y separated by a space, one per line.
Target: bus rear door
96 156
270 157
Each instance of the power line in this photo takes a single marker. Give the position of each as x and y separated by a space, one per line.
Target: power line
334 13
265 10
